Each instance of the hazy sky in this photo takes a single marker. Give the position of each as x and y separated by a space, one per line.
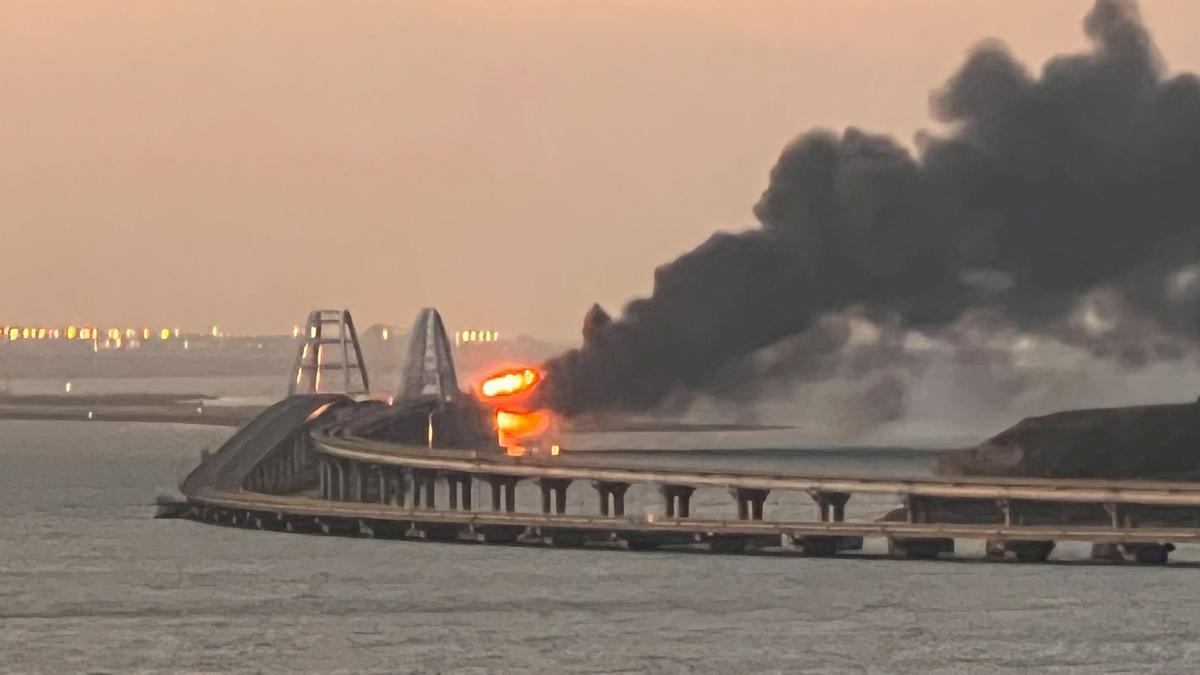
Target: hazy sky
190 163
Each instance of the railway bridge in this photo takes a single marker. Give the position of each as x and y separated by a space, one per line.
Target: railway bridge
422 465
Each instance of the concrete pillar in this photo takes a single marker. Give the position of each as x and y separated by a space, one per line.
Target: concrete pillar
831 506
618 495
916 508
402 477
430 496
678 499
460 491
357 487
1114 513
555 488
465 484
750 502
503 490
496 486
615 492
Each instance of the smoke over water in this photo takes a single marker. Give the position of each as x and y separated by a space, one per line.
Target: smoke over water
1064 206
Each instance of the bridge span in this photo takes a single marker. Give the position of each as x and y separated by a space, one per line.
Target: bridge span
425 464
365 487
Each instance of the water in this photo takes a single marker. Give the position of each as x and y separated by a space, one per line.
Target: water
89 582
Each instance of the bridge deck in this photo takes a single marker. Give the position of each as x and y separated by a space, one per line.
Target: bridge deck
1031 489
314 507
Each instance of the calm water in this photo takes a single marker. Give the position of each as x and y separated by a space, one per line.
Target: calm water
89 582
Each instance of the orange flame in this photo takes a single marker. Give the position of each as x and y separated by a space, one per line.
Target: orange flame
517 423
510 382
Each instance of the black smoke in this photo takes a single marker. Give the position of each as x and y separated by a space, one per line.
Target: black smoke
1066 205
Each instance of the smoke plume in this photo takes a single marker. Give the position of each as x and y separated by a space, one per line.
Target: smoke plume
1064 205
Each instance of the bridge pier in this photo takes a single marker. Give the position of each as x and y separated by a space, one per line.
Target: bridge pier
393 487
344 480
831 506
750 502
335 480
459 486
555 488
424 482
356 482
679 498
503 489
322 482
614 491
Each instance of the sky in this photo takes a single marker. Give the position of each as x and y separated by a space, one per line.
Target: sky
512 163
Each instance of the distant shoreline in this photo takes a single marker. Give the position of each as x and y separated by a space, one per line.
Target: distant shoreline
125 407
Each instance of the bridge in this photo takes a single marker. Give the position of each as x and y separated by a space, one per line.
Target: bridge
423 465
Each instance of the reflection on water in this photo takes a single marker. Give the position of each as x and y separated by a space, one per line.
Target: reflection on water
89 582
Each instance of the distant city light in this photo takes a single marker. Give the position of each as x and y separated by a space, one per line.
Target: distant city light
164 334
476 336
295 331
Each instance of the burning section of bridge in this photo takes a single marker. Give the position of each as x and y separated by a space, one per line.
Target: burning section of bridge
519 429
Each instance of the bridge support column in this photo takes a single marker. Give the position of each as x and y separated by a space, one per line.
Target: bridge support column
357 488
381 479
335 480
322 479
460 488
831 506
345 484
554 489
397 485
424 482
750 502
615 492
679 499
504 492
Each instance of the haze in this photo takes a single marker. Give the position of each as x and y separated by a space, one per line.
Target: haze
512 163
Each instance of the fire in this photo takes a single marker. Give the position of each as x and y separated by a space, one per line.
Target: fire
514 424
518 423
510 382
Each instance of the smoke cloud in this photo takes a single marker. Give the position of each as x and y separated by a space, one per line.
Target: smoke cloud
1064 205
